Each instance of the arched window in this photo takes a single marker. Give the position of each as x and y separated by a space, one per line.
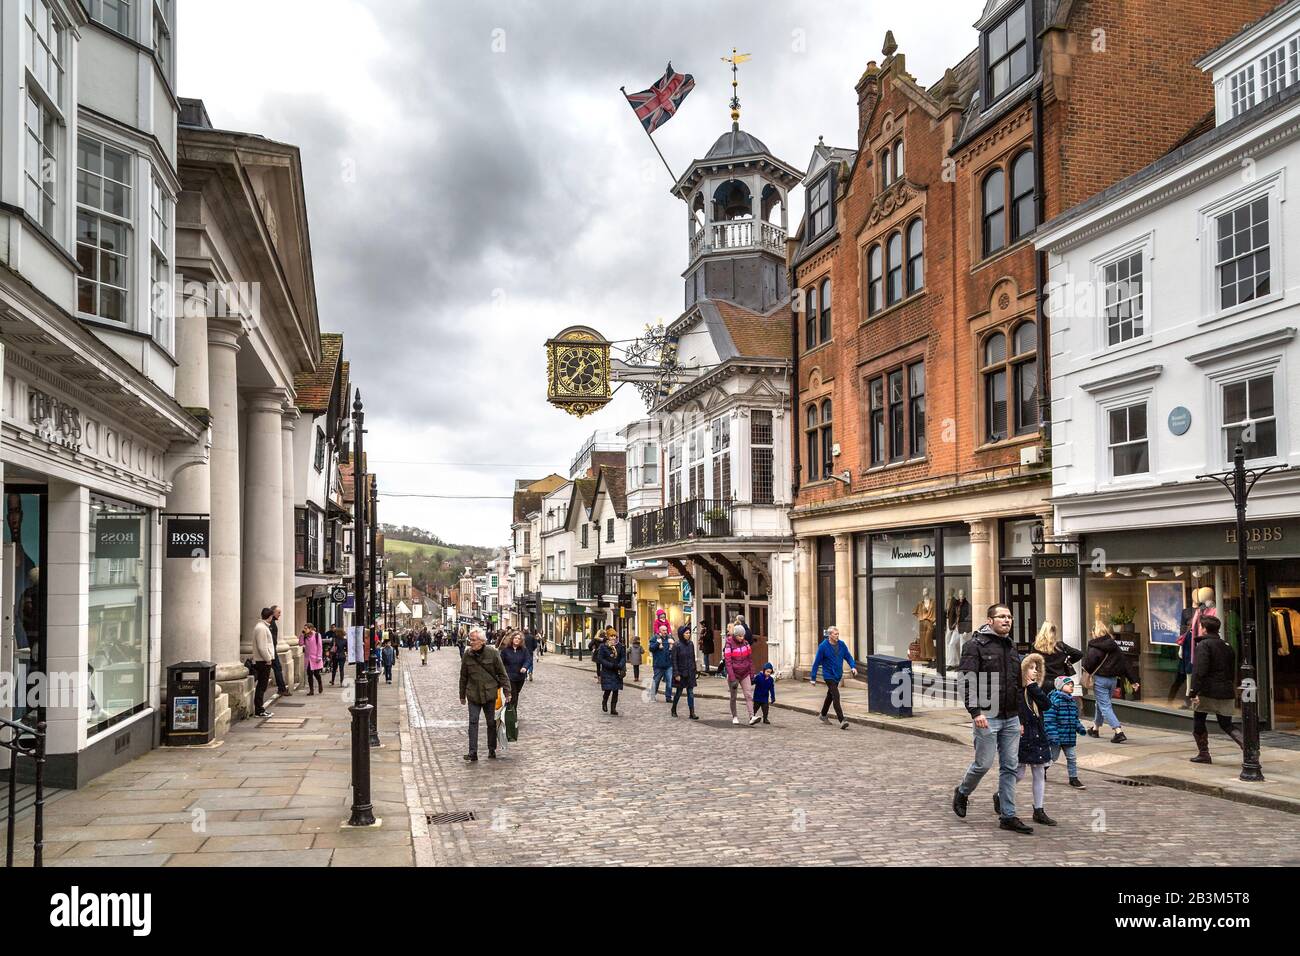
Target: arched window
697 214
773 205
732 200
814 468
915 257
995 212
894 269
810 318
898 158
826 310
886 167
1023 212
875 281
1010 370
1024 365
828 457
995 387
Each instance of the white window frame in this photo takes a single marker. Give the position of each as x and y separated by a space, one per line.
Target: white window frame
162 35
96 13
1145 244
1241 90
162 281
1272 364
53 106
1274 187
1126 397
131 246
1130 441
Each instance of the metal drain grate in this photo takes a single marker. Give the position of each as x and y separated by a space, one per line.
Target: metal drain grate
459 816
284 703
1130 783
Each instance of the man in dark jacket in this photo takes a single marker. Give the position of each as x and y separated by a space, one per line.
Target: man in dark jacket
1213 687
530 642
990 681
481 674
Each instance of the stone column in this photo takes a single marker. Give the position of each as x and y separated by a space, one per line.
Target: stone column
288 621
983 569
844 587
187 582
223 475
806 576
263 571
1052 586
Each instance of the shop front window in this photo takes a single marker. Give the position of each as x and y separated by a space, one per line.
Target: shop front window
1148 608
23 588
904 607
118 646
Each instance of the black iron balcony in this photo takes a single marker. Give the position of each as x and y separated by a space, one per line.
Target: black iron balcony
684 521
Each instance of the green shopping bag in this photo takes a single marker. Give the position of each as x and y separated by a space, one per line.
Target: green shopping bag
512 724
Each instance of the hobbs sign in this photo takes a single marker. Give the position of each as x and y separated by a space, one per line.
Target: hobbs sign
188 537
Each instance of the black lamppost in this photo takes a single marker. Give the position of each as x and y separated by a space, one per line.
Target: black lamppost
374 604
363 813
1239 482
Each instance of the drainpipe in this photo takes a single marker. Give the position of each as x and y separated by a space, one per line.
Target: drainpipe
794 389
1040 282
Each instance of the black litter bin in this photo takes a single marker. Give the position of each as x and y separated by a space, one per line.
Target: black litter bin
191 694
889 685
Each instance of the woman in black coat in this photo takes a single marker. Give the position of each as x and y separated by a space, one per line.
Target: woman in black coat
517 659
1035 748
706 643
683 657
1059 657
611 662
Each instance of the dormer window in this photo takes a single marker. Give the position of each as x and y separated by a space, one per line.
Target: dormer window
1007 59
1264 76
819 206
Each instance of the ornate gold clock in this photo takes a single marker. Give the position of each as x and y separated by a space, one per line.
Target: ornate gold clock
577 371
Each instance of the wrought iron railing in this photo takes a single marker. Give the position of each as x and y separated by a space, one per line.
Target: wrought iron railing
25 742
686 520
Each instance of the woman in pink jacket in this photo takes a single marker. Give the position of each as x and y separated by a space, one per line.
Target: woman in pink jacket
739 660
313 654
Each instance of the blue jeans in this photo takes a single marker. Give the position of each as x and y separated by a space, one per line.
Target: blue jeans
1001 737
1104 688
666 675
690 697
1071 764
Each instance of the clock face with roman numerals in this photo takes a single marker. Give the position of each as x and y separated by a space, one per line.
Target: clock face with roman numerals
580 371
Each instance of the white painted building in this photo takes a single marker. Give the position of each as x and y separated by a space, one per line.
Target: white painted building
724 427
1174 316
93 434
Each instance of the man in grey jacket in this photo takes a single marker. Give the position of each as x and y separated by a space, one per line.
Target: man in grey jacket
263 654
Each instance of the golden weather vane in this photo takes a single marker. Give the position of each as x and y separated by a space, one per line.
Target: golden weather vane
735 59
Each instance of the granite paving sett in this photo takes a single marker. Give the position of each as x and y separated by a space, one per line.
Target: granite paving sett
797 792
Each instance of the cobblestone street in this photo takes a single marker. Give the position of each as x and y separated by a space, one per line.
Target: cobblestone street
583 788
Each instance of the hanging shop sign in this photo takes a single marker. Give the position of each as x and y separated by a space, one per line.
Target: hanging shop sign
1056 565
55 421
338 594
117 538
189 537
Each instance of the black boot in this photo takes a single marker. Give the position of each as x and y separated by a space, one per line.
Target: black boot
1202 738
1040 816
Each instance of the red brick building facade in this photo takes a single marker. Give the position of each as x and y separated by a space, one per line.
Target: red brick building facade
922 474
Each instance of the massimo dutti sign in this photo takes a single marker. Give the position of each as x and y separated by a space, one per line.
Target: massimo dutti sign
189 537
117 538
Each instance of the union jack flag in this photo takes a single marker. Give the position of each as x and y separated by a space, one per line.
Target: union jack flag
657 105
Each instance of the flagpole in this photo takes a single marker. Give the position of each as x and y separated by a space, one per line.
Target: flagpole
623 90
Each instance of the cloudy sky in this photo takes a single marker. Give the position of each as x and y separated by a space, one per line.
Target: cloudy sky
476 183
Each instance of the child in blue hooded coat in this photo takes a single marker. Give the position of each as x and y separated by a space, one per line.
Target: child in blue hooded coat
765 690
1062 726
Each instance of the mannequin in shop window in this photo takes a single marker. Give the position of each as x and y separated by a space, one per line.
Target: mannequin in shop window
1190 627
926 614
957 621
